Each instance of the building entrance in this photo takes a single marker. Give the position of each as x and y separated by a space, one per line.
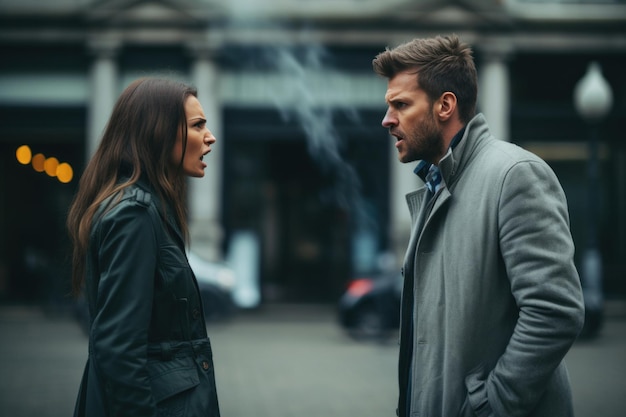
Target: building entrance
275 190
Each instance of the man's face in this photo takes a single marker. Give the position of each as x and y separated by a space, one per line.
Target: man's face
410 119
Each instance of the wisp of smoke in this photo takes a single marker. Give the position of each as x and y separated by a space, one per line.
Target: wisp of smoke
315 118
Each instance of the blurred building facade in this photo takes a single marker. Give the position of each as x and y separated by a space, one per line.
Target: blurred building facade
302 164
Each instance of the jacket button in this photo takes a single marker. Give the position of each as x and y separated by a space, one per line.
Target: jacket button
205 365
195 313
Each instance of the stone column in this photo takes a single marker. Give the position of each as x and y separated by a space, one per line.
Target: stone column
205 227
103 90
494 89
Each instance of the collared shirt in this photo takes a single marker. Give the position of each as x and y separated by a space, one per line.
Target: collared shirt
430 173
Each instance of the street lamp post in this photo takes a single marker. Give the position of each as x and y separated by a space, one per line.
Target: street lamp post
593 99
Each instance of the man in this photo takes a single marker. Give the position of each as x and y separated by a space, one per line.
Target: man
491 301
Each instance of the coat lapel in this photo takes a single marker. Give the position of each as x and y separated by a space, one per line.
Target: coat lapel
173 228
175 232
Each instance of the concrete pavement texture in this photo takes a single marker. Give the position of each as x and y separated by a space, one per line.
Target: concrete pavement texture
278 361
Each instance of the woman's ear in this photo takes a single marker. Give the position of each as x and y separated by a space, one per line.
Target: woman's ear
447 106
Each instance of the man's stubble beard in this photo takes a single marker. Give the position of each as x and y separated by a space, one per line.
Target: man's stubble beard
425 142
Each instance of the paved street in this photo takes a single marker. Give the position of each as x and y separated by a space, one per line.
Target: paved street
279 361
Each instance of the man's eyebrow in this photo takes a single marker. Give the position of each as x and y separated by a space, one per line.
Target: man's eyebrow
389 97
394 97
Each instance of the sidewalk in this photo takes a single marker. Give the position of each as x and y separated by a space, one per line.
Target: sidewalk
615 309
278 361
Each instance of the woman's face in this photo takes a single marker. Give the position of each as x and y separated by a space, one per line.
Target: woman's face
199 140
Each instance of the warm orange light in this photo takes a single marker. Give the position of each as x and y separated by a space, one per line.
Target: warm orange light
23 155
50 166
65 173
38 162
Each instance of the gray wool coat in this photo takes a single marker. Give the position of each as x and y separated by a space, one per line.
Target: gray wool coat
496 301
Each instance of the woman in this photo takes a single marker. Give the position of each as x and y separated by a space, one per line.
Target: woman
149 353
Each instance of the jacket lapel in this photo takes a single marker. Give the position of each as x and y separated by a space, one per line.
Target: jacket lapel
172 225
416 201
174 229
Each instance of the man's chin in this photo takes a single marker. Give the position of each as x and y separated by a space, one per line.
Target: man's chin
405 159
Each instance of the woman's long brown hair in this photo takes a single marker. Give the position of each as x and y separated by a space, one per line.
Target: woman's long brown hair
138 142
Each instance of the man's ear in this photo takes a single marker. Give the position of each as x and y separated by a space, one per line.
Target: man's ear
447 106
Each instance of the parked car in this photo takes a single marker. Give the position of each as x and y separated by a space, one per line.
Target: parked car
216 282
369 310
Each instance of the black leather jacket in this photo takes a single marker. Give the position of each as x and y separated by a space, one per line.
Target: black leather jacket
147 340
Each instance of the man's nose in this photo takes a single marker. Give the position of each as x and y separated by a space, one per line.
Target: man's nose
389 120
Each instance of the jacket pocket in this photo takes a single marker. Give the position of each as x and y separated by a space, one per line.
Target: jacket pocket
466 409
172 377
172 266
477 402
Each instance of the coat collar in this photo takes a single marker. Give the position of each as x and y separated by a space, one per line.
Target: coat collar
475 135
165 211
451 165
